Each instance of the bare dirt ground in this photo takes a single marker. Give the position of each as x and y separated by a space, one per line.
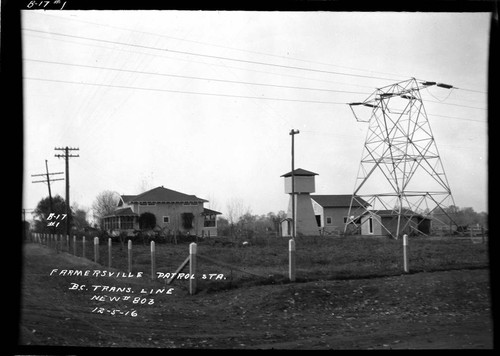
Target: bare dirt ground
439 310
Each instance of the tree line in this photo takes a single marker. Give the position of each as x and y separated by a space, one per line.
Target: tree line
238 221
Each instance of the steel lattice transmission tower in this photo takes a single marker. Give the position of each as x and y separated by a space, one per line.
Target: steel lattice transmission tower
401 172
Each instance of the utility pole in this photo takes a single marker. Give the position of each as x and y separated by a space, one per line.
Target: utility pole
48 180
294 225
66 156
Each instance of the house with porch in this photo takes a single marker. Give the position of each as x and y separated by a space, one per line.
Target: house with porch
174 212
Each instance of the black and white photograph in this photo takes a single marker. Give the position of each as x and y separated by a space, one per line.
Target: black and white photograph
254 179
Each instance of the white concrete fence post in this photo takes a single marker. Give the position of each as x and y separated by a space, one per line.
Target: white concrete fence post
153 260
96 249
192 268
291 266
74 245
109 252
83 246
405 254
67 243
129 255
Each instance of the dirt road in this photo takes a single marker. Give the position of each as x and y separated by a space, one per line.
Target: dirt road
417 311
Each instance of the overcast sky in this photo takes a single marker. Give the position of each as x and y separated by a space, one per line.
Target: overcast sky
202 102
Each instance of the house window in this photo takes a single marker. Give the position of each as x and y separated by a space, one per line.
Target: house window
127 222
209 220
166 219
328 220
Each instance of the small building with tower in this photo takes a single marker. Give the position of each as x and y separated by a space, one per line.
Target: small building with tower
303 186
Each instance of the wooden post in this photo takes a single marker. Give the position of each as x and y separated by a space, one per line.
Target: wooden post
153 261
67 243
192 268
96 249
83 246
74 245
291 253
109 252
129 255
405 255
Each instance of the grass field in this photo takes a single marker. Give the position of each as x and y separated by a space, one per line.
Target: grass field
317 258
351 293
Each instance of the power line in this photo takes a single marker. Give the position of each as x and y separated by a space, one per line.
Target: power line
219 95
458 118
226 81
185 92
211 56
454 87
194 77
205 63
220 46
240 60
463 106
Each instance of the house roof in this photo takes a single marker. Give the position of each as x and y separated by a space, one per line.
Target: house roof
299 172
127 198
122 212
124 199
164 195
338 201
210 212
